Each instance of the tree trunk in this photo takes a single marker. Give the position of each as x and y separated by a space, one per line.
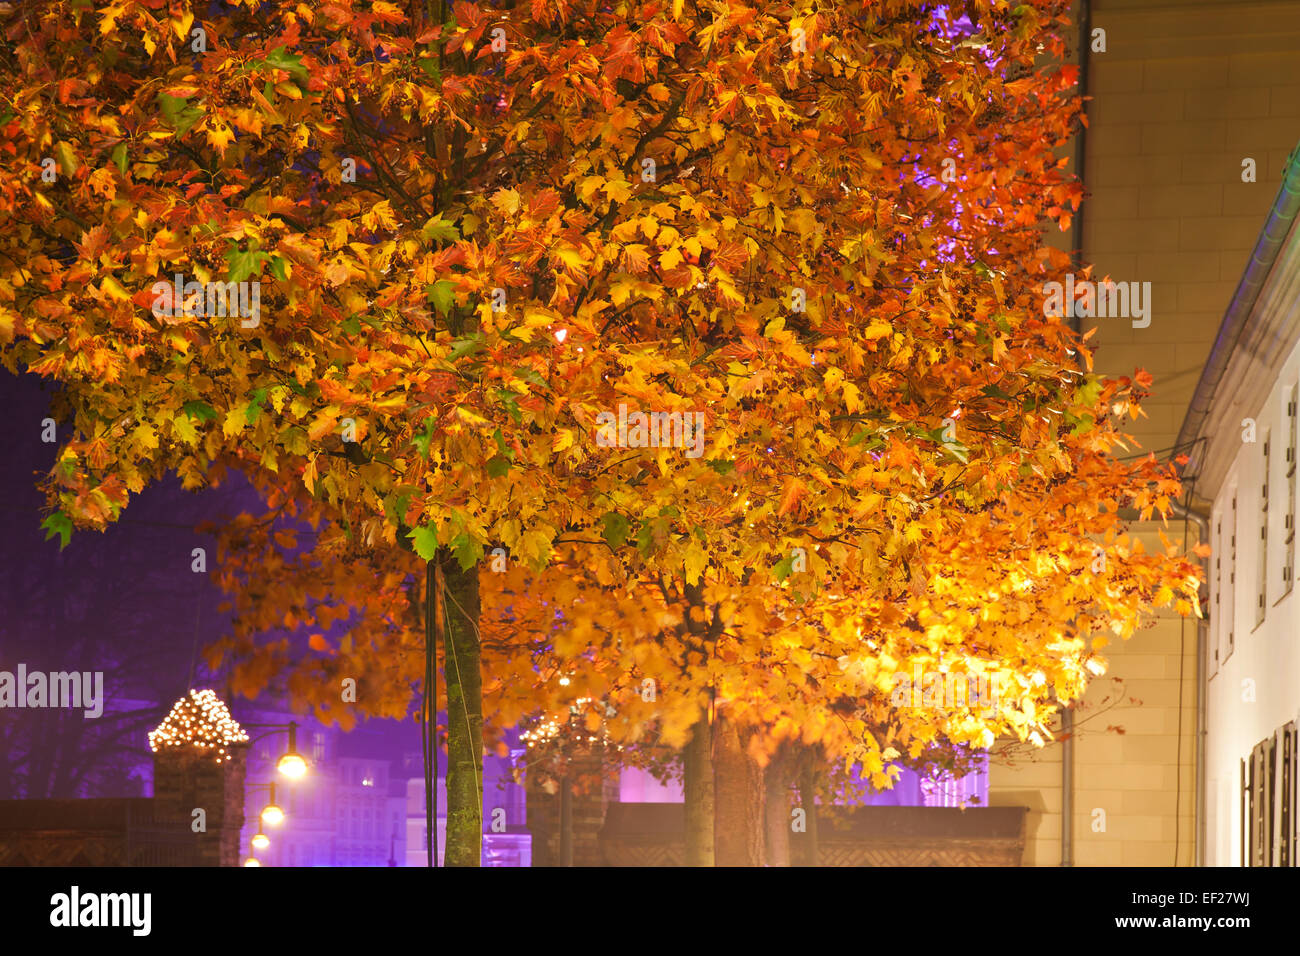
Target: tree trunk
738 800
458 614
776 780
698 786
808 800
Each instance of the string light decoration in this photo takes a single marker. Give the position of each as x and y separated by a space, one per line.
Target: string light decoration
202 722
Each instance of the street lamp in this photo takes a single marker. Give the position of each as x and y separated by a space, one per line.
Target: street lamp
292 764
271 814
260 840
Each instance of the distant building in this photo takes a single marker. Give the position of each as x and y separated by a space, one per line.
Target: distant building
349 810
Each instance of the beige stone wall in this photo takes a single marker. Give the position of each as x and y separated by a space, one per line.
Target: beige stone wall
1184 92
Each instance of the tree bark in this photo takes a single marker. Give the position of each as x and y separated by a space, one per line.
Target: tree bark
776 779
458 612
808 800
698 786
738 800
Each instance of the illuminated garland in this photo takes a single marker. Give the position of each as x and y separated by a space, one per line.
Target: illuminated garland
202 722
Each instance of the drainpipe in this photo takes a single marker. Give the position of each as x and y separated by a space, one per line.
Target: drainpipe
1202 522
1076 242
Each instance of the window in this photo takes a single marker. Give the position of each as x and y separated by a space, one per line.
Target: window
1269 836
1216 593
1287 830
1262 565
1288 543
1230 604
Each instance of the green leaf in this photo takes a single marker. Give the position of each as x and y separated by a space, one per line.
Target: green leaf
425 541
721 465
395 506
178 113
616 529
200 410
645 537
502 447
244 264
429 65
291 63
467 551
498 466
118 156
422 441
258 399
508 400
1088 393
530 375
440 230
351 325
442 295
466 346
992 391
280 268
784 567
60 524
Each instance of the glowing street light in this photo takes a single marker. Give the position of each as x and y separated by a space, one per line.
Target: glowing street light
292 764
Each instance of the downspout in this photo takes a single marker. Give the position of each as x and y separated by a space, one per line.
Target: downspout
1076 243
1202 521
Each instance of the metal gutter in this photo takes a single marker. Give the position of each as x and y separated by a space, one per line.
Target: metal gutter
1235 320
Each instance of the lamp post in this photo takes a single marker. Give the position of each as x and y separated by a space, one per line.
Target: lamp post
272 815
292 764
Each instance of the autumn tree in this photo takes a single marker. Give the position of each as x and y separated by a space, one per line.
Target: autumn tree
483 228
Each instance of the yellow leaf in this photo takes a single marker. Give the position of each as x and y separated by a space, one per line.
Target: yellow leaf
694 562
114 290
852 398
572 258
587 188
506 200
145 435
562 440
878 330
618 190
670 259
805 221
235 420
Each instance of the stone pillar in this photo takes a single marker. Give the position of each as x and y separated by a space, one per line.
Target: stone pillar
589 798
199 760
186 780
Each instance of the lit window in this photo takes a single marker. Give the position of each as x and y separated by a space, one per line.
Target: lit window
1230 591
1262 566
1288 562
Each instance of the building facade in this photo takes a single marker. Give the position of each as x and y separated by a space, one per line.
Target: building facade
1183 94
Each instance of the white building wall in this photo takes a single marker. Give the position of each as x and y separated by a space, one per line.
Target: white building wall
1254 649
